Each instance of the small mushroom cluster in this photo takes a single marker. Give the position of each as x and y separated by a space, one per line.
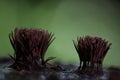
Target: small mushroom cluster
91 51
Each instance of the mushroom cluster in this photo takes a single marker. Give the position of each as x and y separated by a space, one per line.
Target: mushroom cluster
91 52
30 46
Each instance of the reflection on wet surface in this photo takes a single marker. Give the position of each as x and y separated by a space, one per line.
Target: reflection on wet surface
9 74
6 73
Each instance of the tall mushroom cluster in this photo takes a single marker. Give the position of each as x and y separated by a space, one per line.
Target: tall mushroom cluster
30 46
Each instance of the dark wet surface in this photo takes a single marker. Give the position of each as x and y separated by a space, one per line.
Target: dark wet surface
7 74
67 74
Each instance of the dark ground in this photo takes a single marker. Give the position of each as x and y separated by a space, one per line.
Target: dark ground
62 72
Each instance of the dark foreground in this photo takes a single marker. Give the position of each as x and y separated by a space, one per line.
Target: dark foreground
68 73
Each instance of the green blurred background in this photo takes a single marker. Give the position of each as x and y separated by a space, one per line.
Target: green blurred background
67 19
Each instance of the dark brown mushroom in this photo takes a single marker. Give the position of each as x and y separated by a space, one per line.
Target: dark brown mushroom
91 52
30 46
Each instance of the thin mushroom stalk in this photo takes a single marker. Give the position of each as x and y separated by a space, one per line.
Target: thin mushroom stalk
91 52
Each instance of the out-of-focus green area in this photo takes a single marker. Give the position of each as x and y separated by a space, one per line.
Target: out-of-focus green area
67 19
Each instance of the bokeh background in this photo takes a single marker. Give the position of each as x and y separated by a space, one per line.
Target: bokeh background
67 19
